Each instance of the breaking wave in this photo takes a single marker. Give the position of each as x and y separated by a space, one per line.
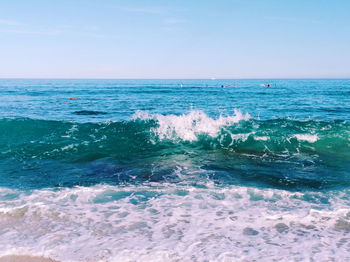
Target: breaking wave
152 147
189 126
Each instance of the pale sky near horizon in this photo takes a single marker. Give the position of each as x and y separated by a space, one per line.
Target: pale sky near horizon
175 39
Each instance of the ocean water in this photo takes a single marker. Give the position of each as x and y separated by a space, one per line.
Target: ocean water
175 170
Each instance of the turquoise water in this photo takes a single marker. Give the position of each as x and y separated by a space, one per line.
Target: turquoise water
167 169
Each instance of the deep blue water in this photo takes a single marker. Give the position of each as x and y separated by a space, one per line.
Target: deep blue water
322 99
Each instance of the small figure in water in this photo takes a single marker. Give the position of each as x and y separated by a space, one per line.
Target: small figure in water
268 85
222 86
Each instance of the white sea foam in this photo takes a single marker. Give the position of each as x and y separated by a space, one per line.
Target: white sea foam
172 223
306 137
261 138
188 126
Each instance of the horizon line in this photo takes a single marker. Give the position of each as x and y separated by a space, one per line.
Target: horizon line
137 78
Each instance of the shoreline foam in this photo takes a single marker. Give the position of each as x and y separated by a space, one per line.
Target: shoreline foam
25 258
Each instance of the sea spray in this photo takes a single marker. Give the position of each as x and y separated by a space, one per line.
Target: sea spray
189 126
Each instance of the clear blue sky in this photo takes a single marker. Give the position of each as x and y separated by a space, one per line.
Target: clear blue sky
175 39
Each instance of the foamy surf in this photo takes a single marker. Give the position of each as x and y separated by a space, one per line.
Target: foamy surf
189 126
163 222
306 137
25 258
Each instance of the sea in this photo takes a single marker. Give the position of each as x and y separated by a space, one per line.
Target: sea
175 170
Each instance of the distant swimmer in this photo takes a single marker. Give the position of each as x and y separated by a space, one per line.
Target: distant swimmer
73 98
268 85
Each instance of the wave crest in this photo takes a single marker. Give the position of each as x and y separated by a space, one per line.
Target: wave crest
188 127
306 137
